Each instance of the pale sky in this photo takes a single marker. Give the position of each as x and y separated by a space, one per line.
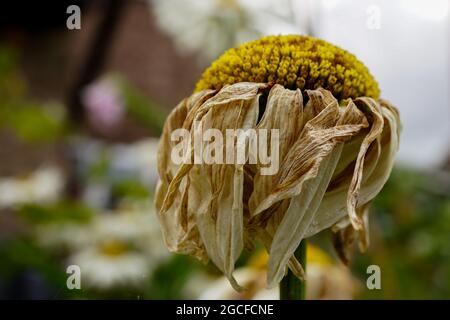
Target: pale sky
405 44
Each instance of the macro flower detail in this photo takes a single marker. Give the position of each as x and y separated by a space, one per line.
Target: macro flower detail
293 61
336 148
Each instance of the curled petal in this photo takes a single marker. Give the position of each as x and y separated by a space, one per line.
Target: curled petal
374 113
297 219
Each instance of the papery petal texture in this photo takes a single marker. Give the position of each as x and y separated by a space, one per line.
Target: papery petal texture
334 158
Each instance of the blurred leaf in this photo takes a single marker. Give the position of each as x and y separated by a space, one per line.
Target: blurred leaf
11 82
21 254
410 227
170 277
32 122
130 189
60 212
98 170
142 109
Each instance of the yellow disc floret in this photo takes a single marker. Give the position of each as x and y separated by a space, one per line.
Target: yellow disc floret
295 62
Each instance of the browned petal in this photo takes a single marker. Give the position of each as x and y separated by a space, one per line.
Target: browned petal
373 112
343 240
316 141
378 163
216 192
283 113
334 161
305 175
180 232
243 92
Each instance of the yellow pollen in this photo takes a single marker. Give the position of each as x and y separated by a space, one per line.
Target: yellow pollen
293 61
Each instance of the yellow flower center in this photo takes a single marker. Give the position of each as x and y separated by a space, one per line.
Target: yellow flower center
295 62
113 248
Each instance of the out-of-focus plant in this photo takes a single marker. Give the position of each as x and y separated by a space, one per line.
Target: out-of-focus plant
104 104
63 211
32 121
216 25
124 248
11 82
110 99
142 108
42 186
326 279
411 228
116 243
23 252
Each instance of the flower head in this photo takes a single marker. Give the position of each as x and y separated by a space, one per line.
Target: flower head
334 155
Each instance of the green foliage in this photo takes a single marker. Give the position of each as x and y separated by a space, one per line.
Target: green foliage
130 189
411 227
11 83
64 211
170 277
21 254
99 169
143 109
33 122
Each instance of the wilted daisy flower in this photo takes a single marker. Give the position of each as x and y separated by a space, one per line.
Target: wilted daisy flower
318 147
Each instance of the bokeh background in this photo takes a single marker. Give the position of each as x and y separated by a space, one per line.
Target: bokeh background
81 112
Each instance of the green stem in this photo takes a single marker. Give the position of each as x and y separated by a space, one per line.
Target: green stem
291 288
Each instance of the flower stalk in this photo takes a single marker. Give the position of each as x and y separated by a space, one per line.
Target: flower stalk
291 287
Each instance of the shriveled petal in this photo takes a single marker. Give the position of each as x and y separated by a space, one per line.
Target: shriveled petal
378 164
216 195
334 160
389 145
302 162
293 264
343 238
229 95
283 113
297 218
304 177
374 113
179 230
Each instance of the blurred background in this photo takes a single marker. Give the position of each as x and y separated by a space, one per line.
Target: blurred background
80 115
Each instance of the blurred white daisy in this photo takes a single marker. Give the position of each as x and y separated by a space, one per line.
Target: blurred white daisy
124 248
210 27
41 186
136 223
110 264
63 236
